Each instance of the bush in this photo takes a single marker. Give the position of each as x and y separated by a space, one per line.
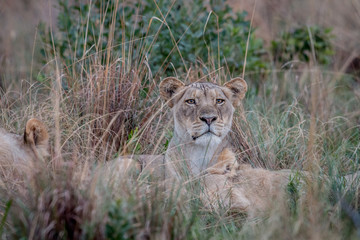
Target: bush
297 45
217 36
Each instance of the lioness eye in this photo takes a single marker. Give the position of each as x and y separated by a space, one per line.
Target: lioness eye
190 101
220 101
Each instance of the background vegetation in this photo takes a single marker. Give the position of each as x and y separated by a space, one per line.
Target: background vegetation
94 81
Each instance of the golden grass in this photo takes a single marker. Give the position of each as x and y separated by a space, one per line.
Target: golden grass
303 119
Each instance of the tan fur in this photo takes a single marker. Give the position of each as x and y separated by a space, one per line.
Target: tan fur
241 187
36 136
119 170
226 164
17 153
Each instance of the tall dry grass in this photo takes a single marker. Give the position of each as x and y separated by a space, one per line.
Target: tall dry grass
299 119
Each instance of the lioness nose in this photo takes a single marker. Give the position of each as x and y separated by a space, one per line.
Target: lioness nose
208 120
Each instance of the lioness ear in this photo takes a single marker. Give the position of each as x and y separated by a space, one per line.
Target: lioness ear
169 87
238 88
36 133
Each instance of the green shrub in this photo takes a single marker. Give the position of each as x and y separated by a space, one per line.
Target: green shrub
218 36
297 45
120 223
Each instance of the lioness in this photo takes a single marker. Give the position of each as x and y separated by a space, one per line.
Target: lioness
243 188
203 114
18 152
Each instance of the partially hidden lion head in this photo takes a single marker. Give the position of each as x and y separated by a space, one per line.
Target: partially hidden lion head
32 145
203 111
19 153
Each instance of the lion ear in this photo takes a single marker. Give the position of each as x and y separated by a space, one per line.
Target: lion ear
169 87
36 133
238 88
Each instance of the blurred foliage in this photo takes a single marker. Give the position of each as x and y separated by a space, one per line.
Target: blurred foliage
195 33
120 223
297 45
204 31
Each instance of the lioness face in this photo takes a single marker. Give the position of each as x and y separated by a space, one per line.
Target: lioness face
203 111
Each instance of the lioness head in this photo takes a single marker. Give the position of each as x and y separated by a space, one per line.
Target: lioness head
203 111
